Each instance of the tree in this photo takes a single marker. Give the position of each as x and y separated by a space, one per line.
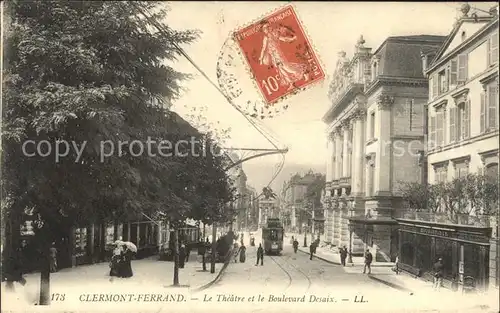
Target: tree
420 197
87 73
470 195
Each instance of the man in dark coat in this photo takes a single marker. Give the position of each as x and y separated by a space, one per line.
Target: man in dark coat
368 262
343 255
312 250
260 255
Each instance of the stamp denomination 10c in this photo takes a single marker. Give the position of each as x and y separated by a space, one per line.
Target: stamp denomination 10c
279 54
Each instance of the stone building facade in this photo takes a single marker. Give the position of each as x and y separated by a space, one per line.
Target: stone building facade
463 121
375 139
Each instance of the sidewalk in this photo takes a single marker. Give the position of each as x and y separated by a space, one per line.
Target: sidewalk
150 275
444 298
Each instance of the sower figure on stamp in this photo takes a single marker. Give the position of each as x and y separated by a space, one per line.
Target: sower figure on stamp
368 262
272 55
260 255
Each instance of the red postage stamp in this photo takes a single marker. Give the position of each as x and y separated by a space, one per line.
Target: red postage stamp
279 54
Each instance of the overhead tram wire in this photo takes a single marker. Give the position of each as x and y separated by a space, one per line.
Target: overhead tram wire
164 31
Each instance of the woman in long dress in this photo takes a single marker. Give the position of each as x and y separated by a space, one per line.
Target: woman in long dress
115 262
126 264
272 55
243 256
182 255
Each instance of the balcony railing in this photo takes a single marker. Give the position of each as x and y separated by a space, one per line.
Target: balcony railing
447 218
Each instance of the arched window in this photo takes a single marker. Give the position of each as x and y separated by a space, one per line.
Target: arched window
491 171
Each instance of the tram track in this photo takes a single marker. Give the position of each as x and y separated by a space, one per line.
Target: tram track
287 272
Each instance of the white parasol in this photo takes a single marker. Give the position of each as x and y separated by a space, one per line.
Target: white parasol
130 246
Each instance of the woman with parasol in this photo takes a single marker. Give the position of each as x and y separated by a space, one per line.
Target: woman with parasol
129 250
116 259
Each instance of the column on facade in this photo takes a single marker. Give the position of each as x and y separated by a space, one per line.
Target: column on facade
344 225
345 150
338 149
384 152
357 182
336 224
329 160
358 154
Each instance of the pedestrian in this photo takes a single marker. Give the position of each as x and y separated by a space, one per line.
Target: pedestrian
368 262
438 274
312 250
126 264
188 252
396 265
182 255
292 240
116 259
343 255
295 245
243 256
53 258
260 255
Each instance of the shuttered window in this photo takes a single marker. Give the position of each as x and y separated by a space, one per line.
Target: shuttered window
463 62
492 107
435 86
493 49
453 124
489 108
453 72
432 133
466 120
439 129
482 118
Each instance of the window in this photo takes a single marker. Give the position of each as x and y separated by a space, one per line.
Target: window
439 127
435 86
493 49
441 174
489 108
491 171
463 65
460 121
372 125
461 169
443 82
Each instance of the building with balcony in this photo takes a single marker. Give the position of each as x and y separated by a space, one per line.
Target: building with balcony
375 138
462 138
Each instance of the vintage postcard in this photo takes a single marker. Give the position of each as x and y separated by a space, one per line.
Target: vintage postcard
249 156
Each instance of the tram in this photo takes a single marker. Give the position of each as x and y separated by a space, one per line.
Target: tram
272 236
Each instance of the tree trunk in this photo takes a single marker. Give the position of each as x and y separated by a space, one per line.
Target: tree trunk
214 246
45 241
176 257
204 249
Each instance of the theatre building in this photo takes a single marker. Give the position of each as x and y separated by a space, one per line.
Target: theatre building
463 138
375 139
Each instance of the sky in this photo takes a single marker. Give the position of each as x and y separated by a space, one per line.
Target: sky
331 27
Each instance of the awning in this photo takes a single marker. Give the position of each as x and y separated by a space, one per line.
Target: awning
372 221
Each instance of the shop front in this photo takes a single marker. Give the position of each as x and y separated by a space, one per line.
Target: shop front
464 250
